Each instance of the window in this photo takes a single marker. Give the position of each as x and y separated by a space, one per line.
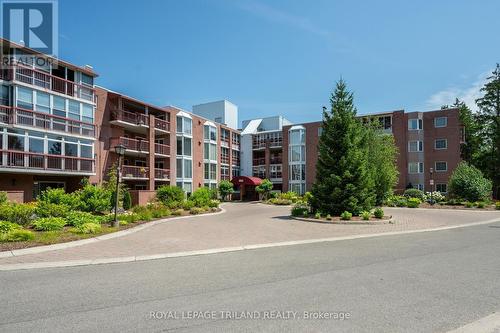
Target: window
85 151
42 102
179 124
419 186
87 79
415 124
320 131
36 145
70 149
74 110
179 168
15 142
210 133
443 188
25 98
59 108
441 166
188 169
297 188
87 113
54 147
441 144
440 121
415 146
187 147
4 95
416 167
179 145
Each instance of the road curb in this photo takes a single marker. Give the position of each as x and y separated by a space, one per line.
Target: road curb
100 261
67 245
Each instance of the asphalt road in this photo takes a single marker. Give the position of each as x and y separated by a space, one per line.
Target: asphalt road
423 282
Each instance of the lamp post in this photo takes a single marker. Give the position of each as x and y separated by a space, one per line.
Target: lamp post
120 151
431 181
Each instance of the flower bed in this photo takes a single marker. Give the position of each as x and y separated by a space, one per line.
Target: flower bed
356 220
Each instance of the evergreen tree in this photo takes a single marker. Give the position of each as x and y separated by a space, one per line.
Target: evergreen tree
489 119
343 179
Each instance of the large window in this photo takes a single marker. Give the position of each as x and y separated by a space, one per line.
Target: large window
59 108
415 146
25 98
184 125
296 159
42 102
415 124
4 95
441 166
441 144
416 167
440 121
87 113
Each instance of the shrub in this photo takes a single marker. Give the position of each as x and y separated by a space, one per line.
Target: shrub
454 202
95 199
59 197
20 213
264 188
88 228
468 204
143 213
346 216
378 213
127 200
467 182
414 193
225 188
413 202
365 215
77 218
168 194
435 197
3 197
187 205
279 202
49 209
159 210
49 224
497 205
129 217
177 212
201 197
213 203
317 216
123 223
291 196
6 227
20 235
480 204
308 197
300 209
196 210
328 217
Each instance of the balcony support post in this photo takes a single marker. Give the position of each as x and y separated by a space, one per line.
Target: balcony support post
151 155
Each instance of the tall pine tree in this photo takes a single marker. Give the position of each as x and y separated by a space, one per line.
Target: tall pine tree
489 119
343 180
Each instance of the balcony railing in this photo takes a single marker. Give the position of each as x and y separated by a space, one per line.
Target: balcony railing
162 174
224 159
259 161
275 160
139 119
129 171
131 144
25 117
162 149
259 144
45 80
27 160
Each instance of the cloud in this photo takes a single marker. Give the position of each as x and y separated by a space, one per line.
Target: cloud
279 16
467 94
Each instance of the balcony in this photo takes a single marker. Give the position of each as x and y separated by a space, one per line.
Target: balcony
162 174
49 122
224 159
39 78
273 143
139 147
44 163
130 172
275 160
137 122
259 161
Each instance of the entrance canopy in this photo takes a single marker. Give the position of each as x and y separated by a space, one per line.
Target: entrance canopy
245 180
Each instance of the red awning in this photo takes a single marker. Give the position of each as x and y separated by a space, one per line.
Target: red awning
253 181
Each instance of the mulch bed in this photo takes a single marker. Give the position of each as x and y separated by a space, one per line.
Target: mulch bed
438 206
356 220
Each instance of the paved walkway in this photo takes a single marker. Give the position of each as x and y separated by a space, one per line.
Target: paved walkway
244 224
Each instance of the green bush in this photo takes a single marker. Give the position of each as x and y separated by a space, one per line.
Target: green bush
414 193
6 227
497 205
58 196
454 202
127 200
187 205
467 182
413 202
196 210
365 215
88 228
435 197
291 196
159 210
225 188
19 235
214 203
3 197
468 204
49 223
317 216
308 197
378 213
20 213
168 195
328 217
49 209
279 202
264 189
300 209
346 216
201 197
95 199
480 204
143 213
129 217
76 218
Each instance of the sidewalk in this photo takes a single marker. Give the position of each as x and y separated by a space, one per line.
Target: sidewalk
242 225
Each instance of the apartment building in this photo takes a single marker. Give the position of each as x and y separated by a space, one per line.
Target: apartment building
164 145
47 122
428 144
262 148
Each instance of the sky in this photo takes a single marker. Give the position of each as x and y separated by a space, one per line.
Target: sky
285 56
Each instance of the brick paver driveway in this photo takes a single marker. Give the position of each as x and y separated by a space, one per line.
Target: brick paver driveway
244 224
